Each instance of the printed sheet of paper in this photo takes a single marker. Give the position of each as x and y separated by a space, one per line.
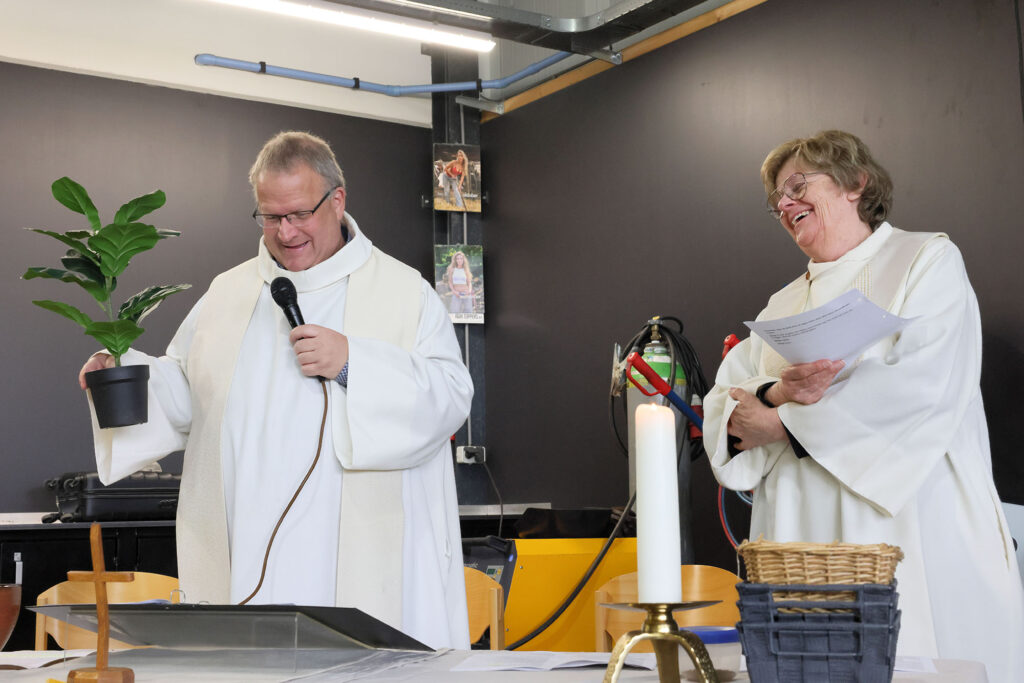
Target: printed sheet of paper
487 660
841 329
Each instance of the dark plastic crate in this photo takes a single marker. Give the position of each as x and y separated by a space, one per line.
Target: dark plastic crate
852 641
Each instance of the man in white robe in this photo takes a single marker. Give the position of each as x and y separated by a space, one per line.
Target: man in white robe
376 525
896 451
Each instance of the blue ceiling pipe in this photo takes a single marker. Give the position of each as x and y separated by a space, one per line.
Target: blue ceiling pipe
359 84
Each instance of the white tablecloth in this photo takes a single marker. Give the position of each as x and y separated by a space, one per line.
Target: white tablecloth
158 665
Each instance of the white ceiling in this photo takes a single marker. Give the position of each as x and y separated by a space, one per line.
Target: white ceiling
155 41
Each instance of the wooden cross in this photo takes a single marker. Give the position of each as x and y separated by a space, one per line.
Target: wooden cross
100 577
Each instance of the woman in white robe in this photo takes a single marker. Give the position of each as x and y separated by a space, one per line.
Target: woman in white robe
894 448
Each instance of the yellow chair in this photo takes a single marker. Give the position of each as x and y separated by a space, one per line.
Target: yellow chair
146 586
485 600
700 582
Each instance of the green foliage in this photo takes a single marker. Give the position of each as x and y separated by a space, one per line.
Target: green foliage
72 195
140 206
140 305
96 257
116 335
89 284
66 310
117 243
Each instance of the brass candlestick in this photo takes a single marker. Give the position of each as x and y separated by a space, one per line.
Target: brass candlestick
660 628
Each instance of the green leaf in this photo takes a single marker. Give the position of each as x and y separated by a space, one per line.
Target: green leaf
164 233
116 336
73 240
139 207
78 234
75 262
143 303
116 245
49 274
98 291
72 195
66 310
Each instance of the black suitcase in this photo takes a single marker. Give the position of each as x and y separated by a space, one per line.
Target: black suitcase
141 496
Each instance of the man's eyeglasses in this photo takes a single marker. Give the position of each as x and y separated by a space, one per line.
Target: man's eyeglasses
794 188
297 219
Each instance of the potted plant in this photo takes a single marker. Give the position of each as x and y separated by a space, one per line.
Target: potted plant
94 260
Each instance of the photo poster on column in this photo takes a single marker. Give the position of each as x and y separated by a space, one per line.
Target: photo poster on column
457 178
459 281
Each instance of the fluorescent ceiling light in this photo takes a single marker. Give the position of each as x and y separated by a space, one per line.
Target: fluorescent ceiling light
436 8
370 21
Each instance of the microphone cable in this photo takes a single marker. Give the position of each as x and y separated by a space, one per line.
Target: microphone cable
583 582
319 447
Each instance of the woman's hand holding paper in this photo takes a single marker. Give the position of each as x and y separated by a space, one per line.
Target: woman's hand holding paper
804 383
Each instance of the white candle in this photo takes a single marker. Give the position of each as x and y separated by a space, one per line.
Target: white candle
657 506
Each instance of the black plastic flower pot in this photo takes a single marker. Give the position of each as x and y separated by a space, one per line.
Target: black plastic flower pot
120 395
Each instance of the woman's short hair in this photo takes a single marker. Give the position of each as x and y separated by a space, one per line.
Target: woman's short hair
288 149
846 160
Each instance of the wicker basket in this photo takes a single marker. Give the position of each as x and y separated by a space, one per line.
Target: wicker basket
818 563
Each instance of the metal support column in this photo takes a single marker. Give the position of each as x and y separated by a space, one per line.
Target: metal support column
455 124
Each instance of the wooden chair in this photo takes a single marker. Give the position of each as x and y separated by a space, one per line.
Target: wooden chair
146 586
700 582
485 599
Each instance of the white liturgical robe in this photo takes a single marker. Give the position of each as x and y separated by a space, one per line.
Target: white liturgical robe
898 450
376 526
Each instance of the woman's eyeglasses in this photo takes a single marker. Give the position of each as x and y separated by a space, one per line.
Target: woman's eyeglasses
794 188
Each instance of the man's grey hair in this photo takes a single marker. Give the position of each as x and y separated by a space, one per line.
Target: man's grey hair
288 149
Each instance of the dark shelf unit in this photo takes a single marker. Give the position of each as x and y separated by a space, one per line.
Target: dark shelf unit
49 551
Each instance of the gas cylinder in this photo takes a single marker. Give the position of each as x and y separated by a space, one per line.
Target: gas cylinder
656 354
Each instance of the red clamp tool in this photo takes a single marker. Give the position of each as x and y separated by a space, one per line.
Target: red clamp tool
634 360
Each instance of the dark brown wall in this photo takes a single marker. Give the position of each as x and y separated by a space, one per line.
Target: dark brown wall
636 193
120 140
632 194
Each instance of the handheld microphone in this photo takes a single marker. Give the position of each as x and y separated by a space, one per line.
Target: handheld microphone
283 292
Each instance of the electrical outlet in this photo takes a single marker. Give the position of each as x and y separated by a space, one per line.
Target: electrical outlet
470 455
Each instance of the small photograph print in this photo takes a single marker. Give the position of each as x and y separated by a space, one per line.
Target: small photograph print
459 280
457 178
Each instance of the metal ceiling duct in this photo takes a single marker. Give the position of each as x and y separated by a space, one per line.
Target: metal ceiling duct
594 34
